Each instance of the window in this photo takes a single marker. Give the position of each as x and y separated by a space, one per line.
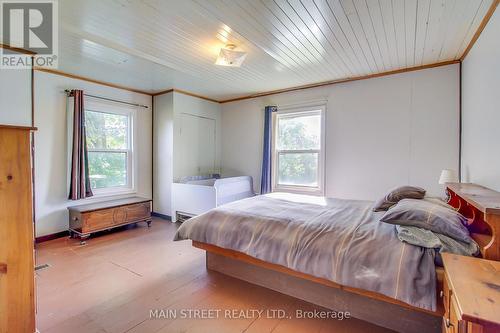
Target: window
298 150
109 143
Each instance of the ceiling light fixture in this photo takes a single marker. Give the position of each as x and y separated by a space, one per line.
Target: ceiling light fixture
229 57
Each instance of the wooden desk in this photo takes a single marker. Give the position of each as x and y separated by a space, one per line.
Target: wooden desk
471 295
90 218
481 206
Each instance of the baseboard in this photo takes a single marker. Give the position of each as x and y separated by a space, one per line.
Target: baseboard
162 216
49 237
65 233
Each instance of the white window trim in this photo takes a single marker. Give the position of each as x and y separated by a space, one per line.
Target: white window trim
300 109
92 104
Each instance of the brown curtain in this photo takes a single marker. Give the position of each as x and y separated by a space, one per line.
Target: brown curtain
80 182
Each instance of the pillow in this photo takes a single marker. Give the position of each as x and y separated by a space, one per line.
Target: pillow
430 216
438 201
397 194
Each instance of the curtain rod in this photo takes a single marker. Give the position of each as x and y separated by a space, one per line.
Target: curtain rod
67 91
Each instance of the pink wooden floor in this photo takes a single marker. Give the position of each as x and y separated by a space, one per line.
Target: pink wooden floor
111 284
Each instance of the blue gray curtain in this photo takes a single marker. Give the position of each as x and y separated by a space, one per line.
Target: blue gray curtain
266 180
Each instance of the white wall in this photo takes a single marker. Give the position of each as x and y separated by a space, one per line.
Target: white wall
15 97
380 133
481 108
163 153
169 149
196 107
51 154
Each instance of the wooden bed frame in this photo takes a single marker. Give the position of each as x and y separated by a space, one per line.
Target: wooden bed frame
480 205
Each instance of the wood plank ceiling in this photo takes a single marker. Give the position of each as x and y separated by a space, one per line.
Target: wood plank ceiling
155 45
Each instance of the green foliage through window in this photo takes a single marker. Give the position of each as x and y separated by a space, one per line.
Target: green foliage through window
298 143
298 169
107 143
299 133
107 169
106 130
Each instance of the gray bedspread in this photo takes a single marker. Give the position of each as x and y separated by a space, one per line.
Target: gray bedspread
339 240
438 242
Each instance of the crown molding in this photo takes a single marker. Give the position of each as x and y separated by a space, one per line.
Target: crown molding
268 93
17 49
78 77
357 78
162 92
184 92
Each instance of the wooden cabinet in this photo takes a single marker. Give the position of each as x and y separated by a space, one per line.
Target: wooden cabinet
470 295
481 207
87 219
17 299
452 322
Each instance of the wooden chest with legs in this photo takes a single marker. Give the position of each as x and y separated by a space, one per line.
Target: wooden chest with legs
90 218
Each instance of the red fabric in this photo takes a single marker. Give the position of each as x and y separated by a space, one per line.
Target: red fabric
80 182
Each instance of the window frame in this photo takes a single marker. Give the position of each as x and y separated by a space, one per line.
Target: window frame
292 112
91 104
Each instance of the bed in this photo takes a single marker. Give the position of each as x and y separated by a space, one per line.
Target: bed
331 252
196 196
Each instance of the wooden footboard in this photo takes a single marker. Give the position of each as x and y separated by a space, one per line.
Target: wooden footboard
362 304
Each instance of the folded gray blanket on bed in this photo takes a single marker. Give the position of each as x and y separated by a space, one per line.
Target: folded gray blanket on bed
431 240
339 240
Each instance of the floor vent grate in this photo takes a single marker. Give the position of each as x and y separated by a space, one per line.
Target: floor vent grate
182 217
39 267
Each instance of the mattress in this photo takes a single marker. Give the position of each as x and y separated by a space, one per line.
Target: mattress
339 240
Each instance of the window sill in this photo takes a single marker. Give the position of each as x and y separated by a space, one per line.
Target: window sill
299 190
110 195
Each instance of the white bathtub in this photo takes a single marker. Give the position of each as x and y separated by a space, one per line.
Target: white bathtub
198 196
